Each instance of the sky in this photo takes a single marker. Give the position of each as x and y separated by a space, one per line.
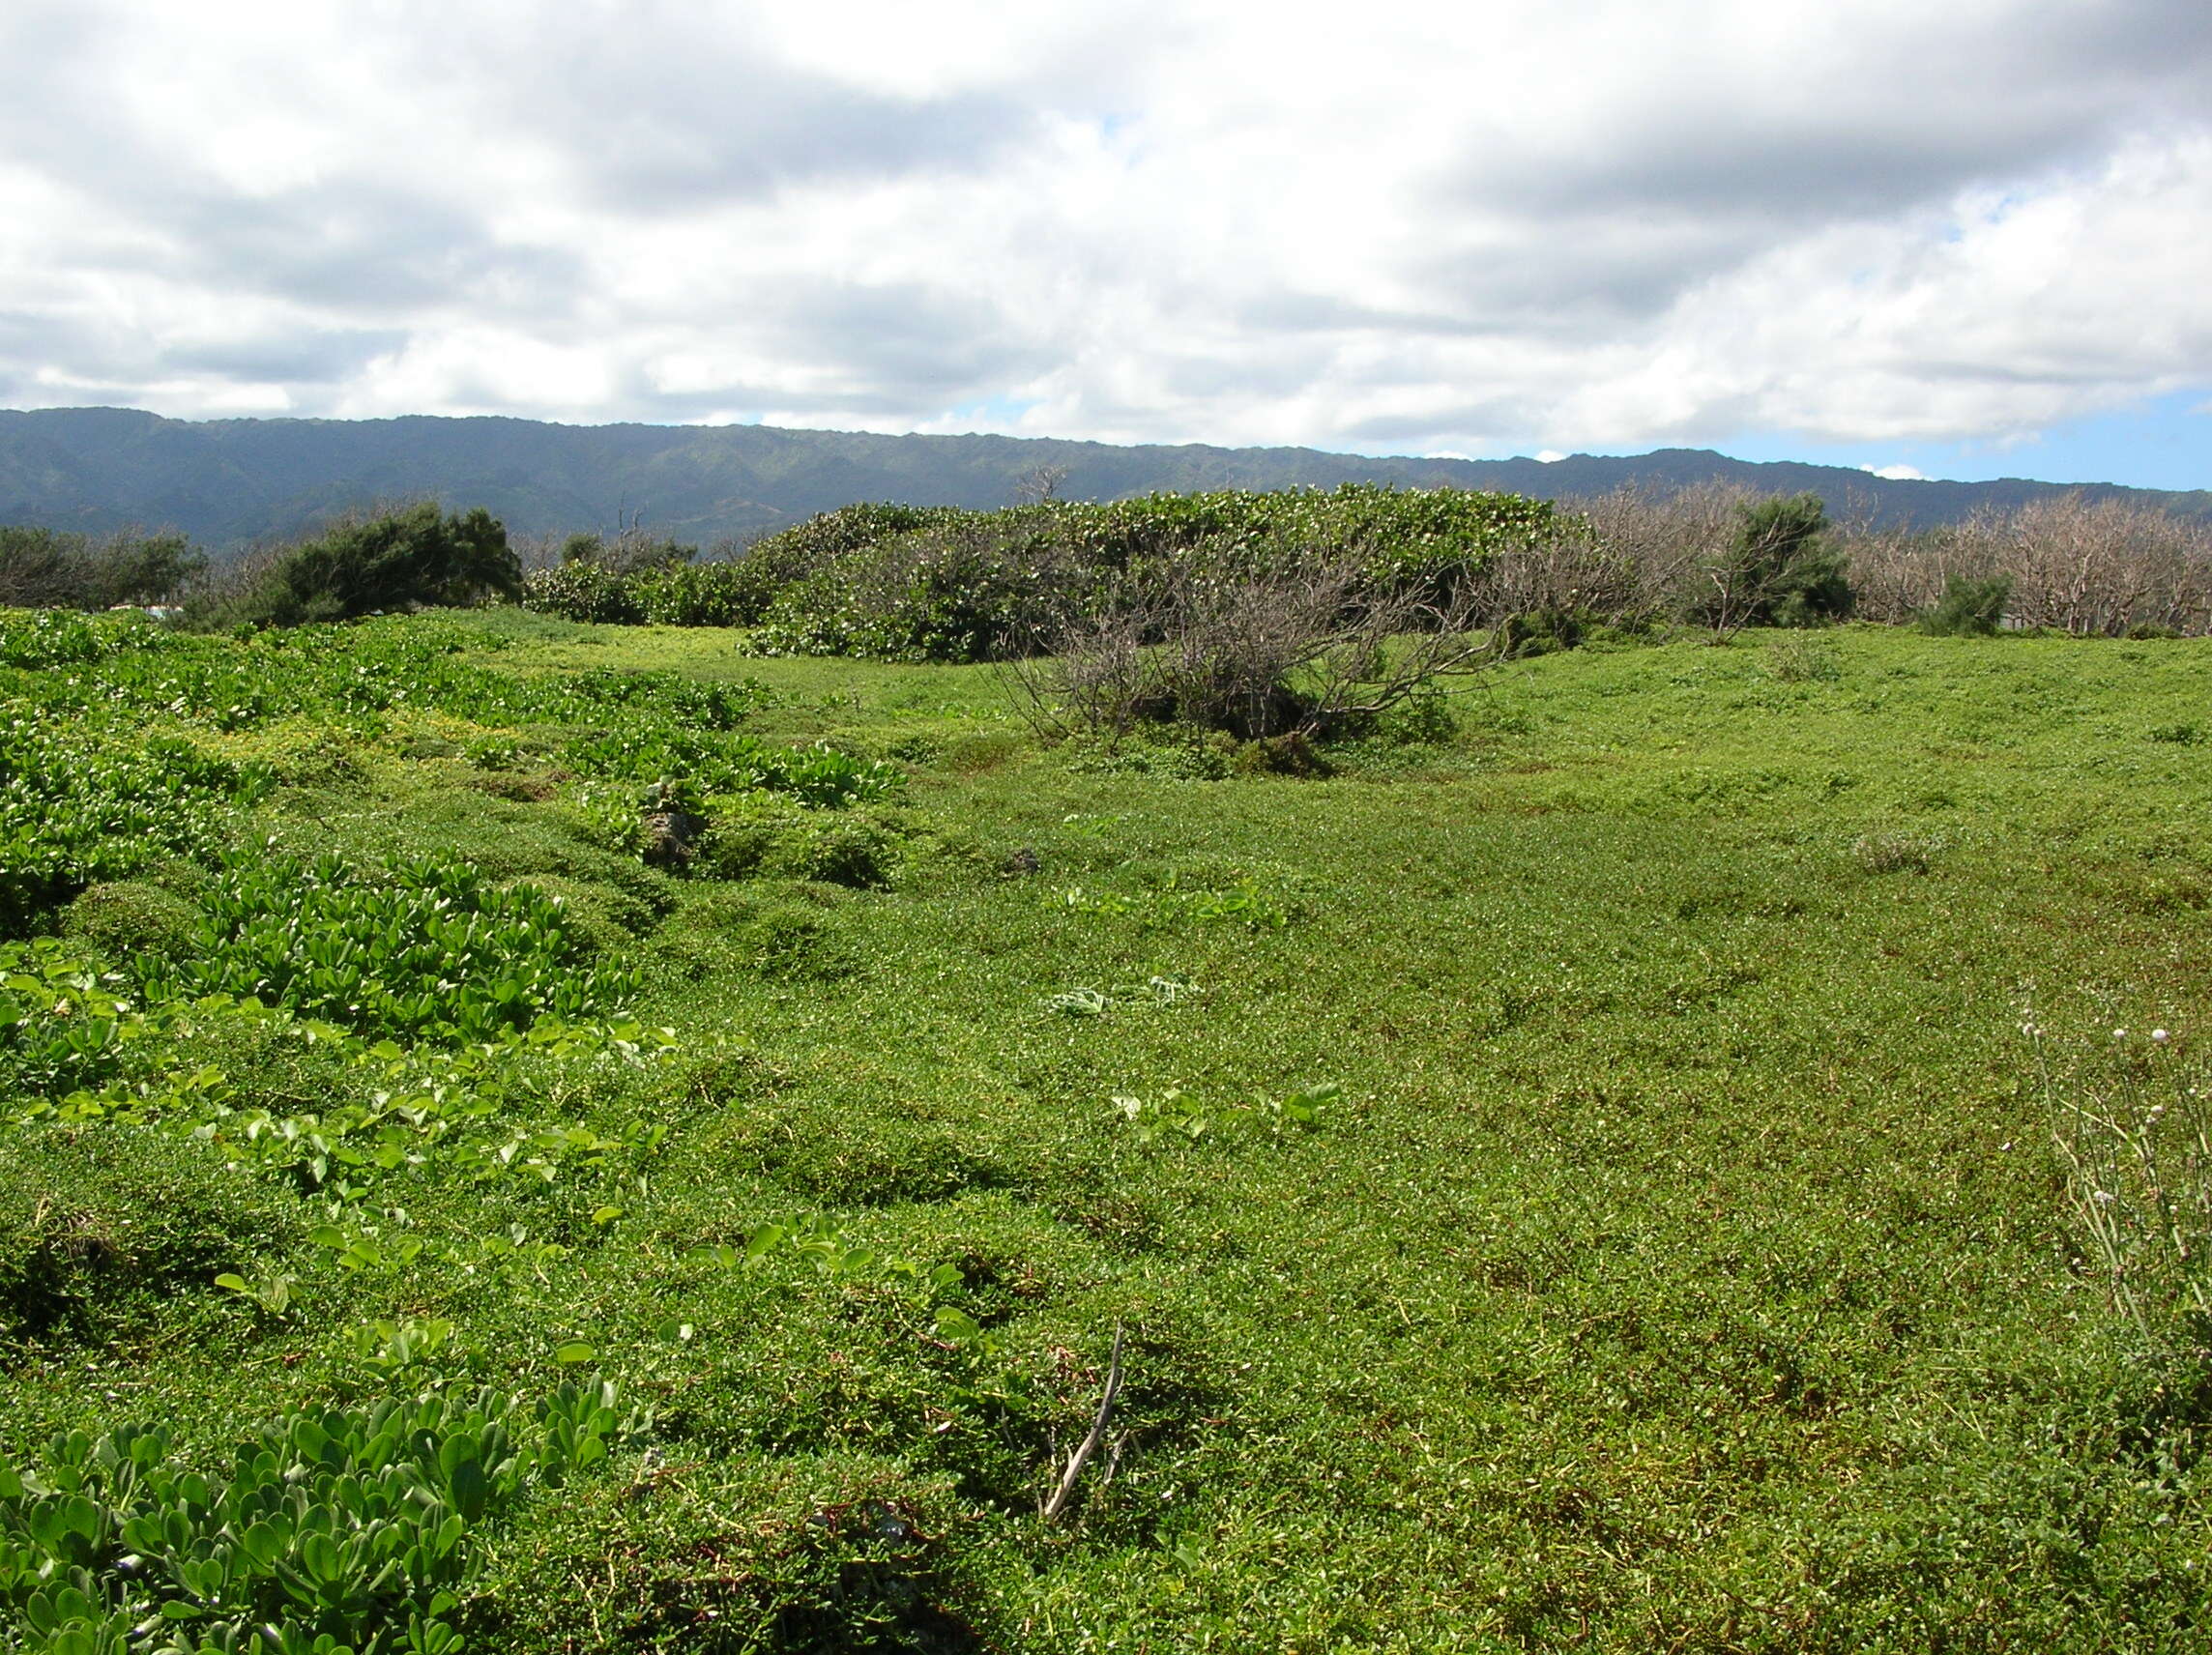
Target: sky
1964 240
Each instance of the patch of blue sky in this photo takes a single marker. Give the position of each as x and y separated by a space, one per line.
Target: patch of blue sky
2163 442
990 414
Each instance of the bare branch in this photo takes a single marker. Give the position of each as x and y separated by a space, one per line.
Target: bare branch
1090 1443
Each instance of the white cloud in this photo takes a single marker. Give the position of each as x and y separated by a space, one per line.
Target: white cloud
1860 222
1896 473
1550 456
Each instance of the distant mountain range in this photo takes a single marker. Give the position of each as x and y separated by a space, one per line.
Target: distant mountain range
232 483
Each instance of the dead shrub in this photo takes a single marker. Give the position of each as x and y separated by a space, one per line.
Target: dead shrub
2091 568
1303 646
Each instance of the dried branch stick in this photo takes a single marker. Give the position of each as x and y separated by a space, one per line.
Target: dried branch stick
1089 1444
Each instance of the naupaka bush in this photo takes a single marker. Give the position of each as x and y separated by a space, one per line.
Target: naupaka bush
417 948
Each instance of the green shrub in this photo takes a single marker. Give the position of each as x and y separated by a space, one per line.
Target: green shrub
582 591
43 568
103 1220
944 585
411 558
705 762
631 551
64 1022
978 752
632 579
828 1556
793 942
1968 608
845 850
1776 571
1291 754
938 582
695 594
346 676
1173 752
1794 658
826 540
50 639
657 584
762 932
1542 631
129 920
1892 851
601 922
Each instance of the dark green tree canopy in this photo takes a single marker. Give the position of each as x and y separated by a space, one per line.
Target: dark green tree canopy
1778 569
418 557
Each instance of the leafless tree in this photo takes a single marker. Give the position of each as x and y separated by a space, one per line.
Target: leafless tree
2076 564
1624 557
1039 484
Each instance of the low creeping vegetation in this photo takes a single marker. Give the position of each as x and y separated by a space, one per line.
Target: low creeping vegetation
521 1134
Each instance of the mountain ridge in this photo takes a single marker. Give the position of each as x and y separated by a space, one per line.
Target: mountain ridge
232 483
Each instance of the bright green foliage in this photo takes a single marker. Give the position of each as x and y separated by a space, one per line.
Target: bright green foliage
339 1524
581 589
75 811
56 638
359 677
766 837
1173 902
1174 1116
697 594
707 761
420 948
832 536
85 796
671 594
960 592
130 919
817 1240
459 1117
62 1020
415 557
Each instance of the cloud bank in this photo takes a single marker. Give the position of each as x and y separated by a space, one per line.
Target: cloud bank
1409 228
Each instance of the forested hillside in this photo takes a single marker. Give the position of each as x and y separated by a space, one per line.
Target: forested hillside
230 483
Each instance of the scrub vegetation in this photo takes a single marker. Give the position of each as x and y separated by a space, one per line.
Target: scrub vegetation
530 1134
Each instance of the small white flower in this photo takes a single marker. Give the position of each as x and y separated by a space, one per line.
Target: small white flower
2160 1035
2103 1197
2006 1145
2119 1033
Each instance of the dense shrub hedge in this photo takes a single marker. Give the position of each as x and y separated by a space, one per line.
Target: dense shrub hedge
672 595
938 582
